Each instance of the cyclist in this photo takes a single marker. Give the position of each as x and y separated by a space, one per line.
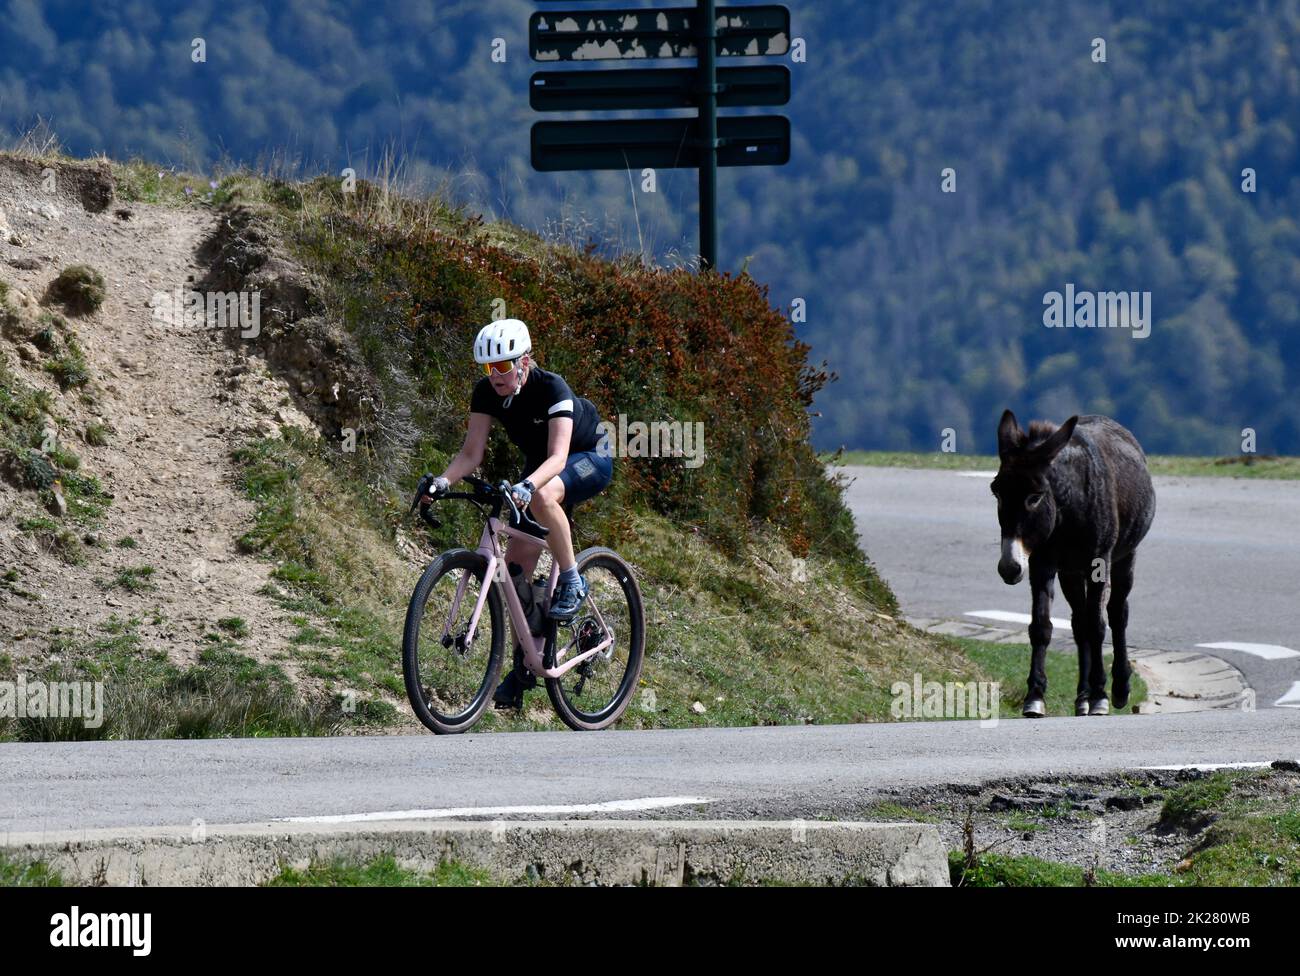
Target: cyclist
567 460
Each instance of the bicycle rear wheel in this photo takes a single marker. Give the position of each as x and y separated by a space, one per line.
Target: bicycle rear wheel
450 678
595 693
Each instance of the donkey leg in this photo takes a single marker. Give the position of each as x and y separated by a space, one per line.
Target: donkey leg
1121 582
1043 583
1072 586
1098 704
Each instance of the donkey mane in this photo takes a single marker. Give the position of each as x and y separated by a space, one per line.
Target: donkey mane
1039 431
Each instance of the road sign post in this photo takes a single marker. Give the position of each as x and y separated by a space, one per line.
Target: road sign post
707 26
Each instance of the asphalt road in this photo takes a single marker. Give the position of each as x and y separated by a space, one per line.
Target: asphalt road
761 772
1220 565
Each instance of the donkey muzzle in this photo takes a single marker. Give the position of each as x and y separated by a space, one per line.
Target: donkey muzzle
1014 562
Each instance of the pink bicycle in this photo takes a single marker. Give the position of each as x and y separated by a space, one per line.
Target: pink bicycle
454 642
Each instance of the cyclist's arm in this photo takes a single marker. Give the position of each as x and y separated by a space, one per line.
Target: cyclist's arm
471 452
559 433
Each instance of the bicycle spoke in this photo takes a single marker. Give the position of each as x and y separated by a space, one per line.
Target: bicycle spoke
452 665
594 684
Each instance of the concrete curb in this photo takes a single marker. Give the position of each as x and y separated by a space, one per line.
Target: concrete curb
585 852
1177 681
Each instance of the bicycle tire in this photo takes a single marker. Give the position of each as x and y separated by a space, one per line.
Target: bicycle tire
574 717
475 563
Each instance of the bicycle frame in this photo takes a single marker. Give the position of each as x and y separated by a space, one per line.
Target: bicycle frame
534 646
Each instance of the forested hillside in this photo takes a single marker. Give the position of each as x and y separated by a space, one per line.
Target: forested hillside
1122 175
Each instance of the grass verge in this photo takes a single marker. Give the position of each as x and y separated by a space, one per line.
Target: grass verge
381 872
1241 827
1264 466
128 693
1006 871
1009 664
18 872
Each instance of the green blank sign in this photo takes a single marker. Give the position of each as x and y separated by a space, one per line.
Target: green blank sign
748 140
621 88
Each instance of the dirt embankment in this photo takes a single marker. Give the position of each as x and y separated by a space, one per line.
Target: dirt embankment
155 422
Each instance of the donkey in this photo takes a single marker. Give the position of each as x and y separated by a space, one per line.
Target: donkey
1074 501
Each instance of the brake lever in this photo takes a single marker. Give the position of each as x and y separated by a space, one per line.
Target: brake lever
521 516
423 489
505 488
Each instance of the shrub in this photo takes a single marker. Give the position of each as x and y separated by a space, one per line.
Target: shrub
79 288
652 344
70 368
235 626
134 579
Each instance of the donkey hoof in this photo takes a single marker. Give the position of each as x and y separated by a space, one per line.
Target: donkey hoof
1081 708
1099 707
1119 697
1034 708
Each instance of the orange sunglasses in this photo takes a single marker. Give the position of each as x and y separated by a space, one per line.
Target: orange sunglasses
503 366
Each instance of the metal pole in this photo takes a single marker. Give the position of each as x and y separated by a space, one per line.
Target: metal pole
707 30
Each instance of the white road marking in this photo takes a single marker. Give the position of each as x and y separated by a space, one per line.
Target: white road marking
1212 766
1292 697
1013 618
990 475
609 806
1269 652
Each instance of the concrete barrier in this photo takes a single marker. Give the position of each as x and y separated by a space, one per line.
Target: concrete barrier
579 852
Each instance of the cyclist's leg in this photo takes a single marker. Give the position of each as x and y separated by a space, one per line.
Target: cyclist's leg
518 679
548 508
585 475
524 555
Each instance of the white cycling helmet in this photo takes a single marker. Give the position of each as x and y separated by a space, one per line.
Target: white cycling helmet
503 339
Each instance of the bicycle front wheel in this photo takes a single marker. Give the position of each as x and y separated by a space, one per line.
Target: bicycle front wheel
595 693
450 676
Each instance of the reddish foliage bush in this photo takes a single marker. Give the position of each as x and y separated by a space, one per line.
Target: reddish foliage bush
651 344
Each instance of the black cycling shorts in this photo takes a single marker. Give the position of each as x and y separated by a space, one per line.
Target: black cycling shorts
587 473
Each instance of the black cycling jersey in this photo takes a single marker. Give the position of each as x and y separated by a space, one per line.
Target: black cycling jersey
543 398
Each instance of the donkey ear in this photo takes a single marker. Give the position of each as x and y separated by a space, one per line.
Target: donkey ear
1053 445
1010 436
